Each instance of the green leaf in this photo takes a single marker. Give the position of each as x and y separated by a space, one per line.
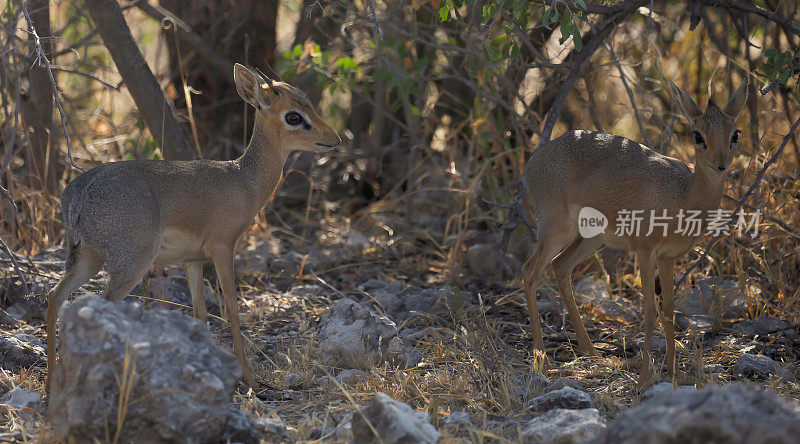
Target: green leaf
493 52
444 12
771 53
577 40
346 64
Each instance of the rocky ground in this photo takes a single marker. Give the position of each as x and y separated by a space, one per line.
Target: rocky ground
361 321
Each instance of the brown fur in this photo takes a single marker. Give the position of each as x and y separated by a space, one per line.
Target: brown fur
611 173
125 216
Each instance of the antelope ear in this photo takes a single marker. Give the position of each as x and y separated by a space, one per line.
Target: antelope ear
685 102
737 101
249 87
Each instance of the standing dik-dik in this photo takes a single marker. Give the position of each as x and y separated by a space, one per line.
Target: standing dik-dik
127 216
626 182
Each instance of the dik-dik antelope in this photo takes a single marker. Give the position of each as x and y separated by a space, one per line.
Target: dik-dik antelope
129 215
615 176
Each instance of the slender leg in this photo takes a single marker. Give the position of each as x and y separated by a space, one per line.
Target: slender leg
120 284
665 273
563 265
223 262
163 295
532 272
194 274
647 272
82 264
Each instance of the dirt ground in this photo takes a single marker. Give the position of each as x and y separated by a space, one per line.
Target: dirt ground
474 339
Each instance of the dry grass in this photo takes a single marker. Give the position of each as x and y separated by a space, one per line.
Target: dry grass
473 353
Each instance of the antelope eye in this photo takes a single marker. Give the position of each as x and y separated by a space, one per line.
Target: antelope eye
735 138
698 139
294 118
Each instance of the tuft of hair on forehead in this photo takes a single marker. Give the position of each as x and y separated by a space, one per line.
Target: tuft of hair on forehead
715 117
291 91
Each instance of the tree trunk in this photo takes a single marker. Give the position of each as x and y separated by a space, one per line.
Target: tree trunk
37 107
142 84
244 32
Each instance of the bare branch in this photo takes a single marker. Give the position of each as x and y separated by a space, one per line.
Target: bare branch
375 17
741 6
631 97
16 265
600 32
87 74
154 108
42 60
218 61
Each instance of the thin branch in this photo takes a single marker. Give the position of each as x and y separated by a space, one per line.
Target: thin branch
16 265
87 74
579 65
774 220
218 61
741 6
514 212
735 214
42 60
600 33
631 97
375 17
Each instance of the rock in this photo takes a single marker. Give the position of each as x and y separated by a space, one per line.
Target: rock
24 306
699 322
240 428
665 387
735 413
658 344
273 427
762 325
175 288
485 260
6 320
264 256
342 433
350 376
172 361
293 380
30 308
354 336
750 366
19 351
563 398
19 398
564 426
700 300
395 422
456 419
562 382
357 239
402 301
714 368
529 385
550 307
589 291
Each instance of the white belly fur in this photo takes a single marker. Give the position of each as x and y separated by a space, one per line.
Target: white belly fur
179 246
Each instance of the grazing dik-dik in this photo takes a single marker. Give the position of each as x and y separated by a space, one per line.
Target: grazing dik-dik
585 177
126 216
